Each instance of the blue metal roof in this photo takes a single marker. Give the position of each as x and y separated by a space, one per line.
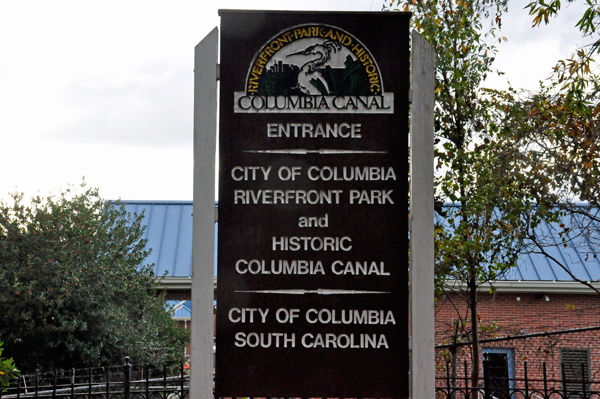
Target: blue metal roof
169 234
578 256
181 309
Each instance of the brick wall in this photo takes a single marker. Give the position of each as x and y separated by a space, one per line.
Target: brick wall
507 314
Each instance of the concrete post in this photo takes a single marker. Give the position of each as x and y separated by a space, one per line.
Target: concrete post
205 133
422 362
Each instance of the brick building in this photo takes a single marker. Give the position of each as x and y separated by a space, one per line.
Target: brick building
533 322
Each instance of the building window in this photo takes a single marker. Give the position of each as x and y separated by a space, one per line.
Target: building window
499 364
575 370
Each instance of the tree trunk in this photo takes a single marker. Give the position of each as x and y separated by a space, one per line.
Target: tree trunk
474 334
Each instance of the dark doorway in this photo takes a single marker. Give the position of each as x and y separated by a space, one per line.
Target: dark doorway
497 364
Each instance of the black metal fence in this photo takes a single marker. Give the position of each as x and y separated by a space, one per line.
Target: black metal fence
133 381
130 381
571 385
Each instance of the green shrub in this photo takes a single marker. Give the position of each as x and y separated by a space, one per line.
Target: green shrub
8 371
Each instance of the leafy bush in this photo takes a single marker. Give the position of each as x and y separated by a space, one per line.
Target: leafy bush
74 286
8 371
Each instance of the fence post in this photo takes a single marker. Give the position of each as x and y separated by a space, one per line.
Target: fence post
564 378
19 386
107 382
165 381
487 389
545 381
126 377
72 382
526 380
54 386
466 380
448 380
37 378
182 380
90 378
147 371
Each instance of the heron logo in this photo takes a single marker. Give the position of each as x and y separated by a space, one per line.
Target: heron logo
314 68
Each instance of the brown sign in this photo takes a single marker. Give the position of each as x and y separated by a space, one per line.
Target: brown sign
312 246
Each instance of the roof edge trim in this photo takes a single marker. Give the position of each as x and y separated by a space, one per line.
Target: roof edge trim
547 287
178 283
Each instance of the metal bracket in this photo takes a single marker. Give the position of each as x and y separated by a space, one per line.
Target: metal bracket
218 71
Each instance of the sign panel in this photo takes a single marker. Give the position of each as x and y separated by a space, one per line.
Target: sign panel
312 252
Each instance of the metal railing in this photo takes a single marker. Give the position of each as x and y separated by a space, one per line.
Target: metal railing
526 387
130 381
133 381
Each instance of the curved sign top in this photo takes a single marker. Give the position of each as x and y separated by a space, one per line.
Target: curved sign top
314 68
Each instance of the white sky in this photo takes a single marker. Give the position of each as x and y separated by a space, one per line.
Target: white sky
104 89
